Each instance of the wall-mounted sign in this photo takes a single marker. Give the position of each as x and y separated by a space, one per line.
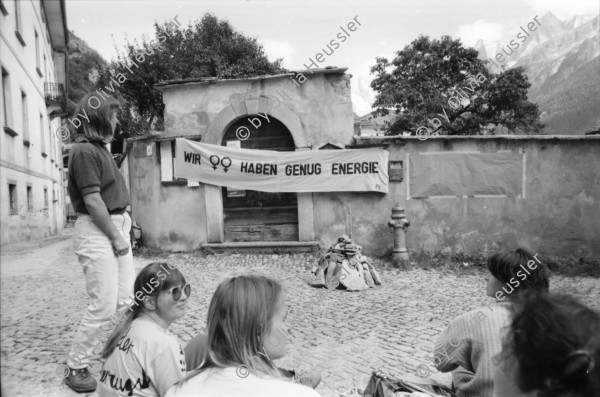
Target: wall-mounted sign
450 175
396 171
347 170
143 149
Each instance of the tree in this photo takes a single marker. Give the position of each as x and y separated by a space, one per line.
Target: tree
84 64
440 87
204 49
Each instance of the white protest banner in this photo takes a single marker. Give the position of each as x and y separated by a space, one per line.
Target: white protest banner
347 170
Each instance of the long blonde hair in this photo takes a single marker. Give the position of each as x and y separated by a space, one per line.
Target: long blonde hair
239 318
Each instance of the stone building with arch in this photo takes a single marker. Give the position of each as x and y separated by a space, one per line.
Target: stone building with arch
268 112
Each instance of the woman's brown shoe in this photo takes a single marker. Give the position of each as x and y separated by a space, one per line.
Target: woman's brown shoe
81 380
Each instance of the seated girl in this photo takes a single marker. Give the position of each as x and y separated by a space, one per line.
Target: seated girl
470 341
142 357
245 331
552 349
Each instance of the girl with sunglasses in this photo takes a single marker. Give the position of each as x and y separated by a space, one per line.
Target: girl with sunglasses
142 357
246 332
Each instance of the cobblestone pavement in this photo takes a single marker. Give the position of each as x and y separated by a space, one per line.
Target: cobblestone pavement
342 334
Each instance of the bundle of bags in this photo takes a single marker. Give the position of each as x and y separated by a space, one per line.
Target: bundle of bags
344 266
381 385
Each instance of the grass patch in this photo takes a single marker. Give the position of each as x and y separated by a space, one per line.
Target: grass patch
571 266
150 252
460 262
476 262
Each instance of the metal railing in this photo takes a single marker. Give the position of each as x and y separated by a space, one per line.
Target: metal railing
54 93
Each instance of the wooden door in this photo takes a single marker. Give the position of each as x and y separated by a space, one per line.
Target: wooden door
250 215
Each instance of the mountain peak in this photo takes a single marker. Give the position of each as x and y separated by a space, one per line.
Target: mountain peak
550 21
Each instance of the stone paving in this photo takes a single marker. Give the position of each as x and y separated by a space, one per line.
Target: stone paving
344 335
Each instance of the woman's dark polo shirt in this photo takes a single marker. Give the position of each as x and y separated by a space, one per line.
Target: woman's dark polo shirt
92 169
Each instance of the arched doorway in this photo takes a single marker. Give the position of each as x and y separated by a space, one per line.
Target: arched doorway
250 215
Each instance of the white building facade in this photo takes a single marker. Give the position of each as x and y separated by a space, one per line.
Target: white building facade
33 60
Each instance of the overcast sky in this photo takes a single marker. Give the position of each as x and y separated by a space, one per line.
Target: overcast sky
297 30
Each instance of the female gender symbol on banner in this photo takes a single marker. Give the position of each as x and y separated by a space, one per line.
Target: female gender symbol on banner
225 162
225 166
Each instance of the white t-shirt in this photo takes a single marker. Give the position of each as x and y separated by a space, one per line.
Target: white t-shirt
225 382
146 363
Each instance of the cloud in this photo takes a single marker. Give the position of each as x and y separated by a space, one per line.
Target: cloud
279 49
564 9
363 95
486 31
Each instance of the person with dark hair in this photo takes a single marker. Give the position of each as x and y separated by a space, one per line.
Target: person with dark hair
551 349
101 233
470 341
142 357
246 332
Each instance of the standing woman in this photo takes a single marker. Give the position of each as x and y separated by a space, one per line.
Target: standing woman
143 359
101 234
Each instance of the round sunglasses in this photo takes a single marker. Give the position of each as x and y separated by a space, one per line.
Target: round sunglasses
176 292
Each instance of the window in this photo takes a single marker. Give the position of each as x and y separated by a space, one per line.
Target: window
9 148
52 143
26 155
43 136
37 53
45 197
18 23
3 8
6 104
45 68
12 197
26 140
29 198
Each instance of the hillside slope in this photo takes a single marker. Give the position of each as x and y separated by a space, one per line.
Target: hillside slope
562 61
84 63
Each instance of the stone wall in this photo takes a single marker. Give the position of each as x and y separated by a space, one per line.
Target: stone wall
558 214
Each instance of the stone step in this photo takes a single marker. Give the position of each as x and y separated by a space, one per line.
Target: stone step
264 247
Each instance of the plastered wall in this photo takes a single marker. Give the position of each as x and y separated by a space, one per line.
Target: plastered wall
208 109
559 213
170 216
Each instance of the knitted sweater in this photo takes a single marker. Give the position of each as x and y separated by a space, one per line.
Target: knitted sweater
468 345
